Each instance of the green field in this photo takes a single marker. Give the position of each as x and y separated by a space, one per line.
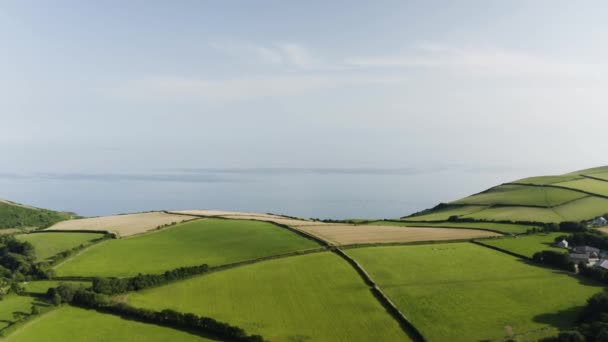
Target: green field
517 214
444 214
592 171
527 245
42 286
583 209
207 241
500 227
316 297
601 175
588 185
465 292
522 195
544 180
50 244
72 324
13 305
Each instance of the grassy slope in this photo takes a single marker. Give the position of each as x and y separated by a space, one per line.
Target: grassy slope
444 214
527 245
583 209
50 244
316 297
210 241
14 215
589 185
522 195
11 304
73 324
545 180
464 292
602 175
501 227
517 214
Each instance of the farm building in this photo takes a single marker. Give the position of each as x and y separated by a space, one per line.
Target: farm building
598 222
586 250
562 244
602 264
582 257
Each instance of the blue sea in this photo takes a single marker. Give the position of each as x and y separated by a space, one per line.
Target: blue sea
336 193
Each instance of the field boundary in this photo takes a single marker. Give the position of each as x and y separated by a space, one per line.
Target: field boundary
595 178
413 243
563 188
211 269
390 307
431 222
479 243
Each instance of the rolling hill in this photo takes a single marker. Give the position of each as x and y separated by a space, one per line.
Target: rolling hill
576 196
15 215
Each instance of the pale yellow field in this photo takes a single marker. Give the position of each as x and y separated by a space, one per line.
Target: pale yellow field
347 234
248 216
122 225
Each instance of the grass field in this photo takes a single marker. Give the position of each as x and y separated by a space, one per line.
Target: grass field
314 297
13 305
583 209
210 241
527 245
517 214
588 185
544 180
522 195
122 225
346 234
444 214
601 175
501 227
50 244
72 324
465 292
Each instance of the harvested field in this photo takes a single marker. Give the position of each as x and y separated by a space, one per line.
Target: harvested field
122 225
346 234
235 215
222 213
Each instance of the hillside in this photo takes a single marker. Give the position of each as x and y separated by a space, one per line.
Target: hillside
15 215
576 196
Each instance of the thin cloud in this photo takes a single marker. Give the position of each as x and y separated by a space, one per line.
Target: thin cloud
484 60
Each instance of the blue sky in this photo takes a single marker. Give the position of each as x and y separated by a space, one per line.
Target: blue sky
118 86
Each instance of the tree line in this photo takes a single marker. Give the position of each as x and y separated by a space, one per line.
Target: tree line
141 281
79 296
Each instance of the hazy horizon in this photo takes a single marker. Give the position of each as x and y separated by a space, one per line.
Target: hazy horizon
93 93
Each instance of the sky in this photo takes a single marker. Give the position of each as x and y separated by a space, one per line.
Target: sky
126 86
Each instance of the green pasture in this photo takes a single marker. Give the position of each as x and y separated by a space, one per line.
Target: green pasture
522 195
601 175
14 308
72 324
517 214
207 241
527 245
465 292
445 213
50 244
583 209
545 180
314 297
589 185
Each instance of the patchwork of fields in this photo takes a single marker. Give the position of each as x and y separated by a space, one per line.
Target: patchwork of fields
476 293
316 297
205 241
